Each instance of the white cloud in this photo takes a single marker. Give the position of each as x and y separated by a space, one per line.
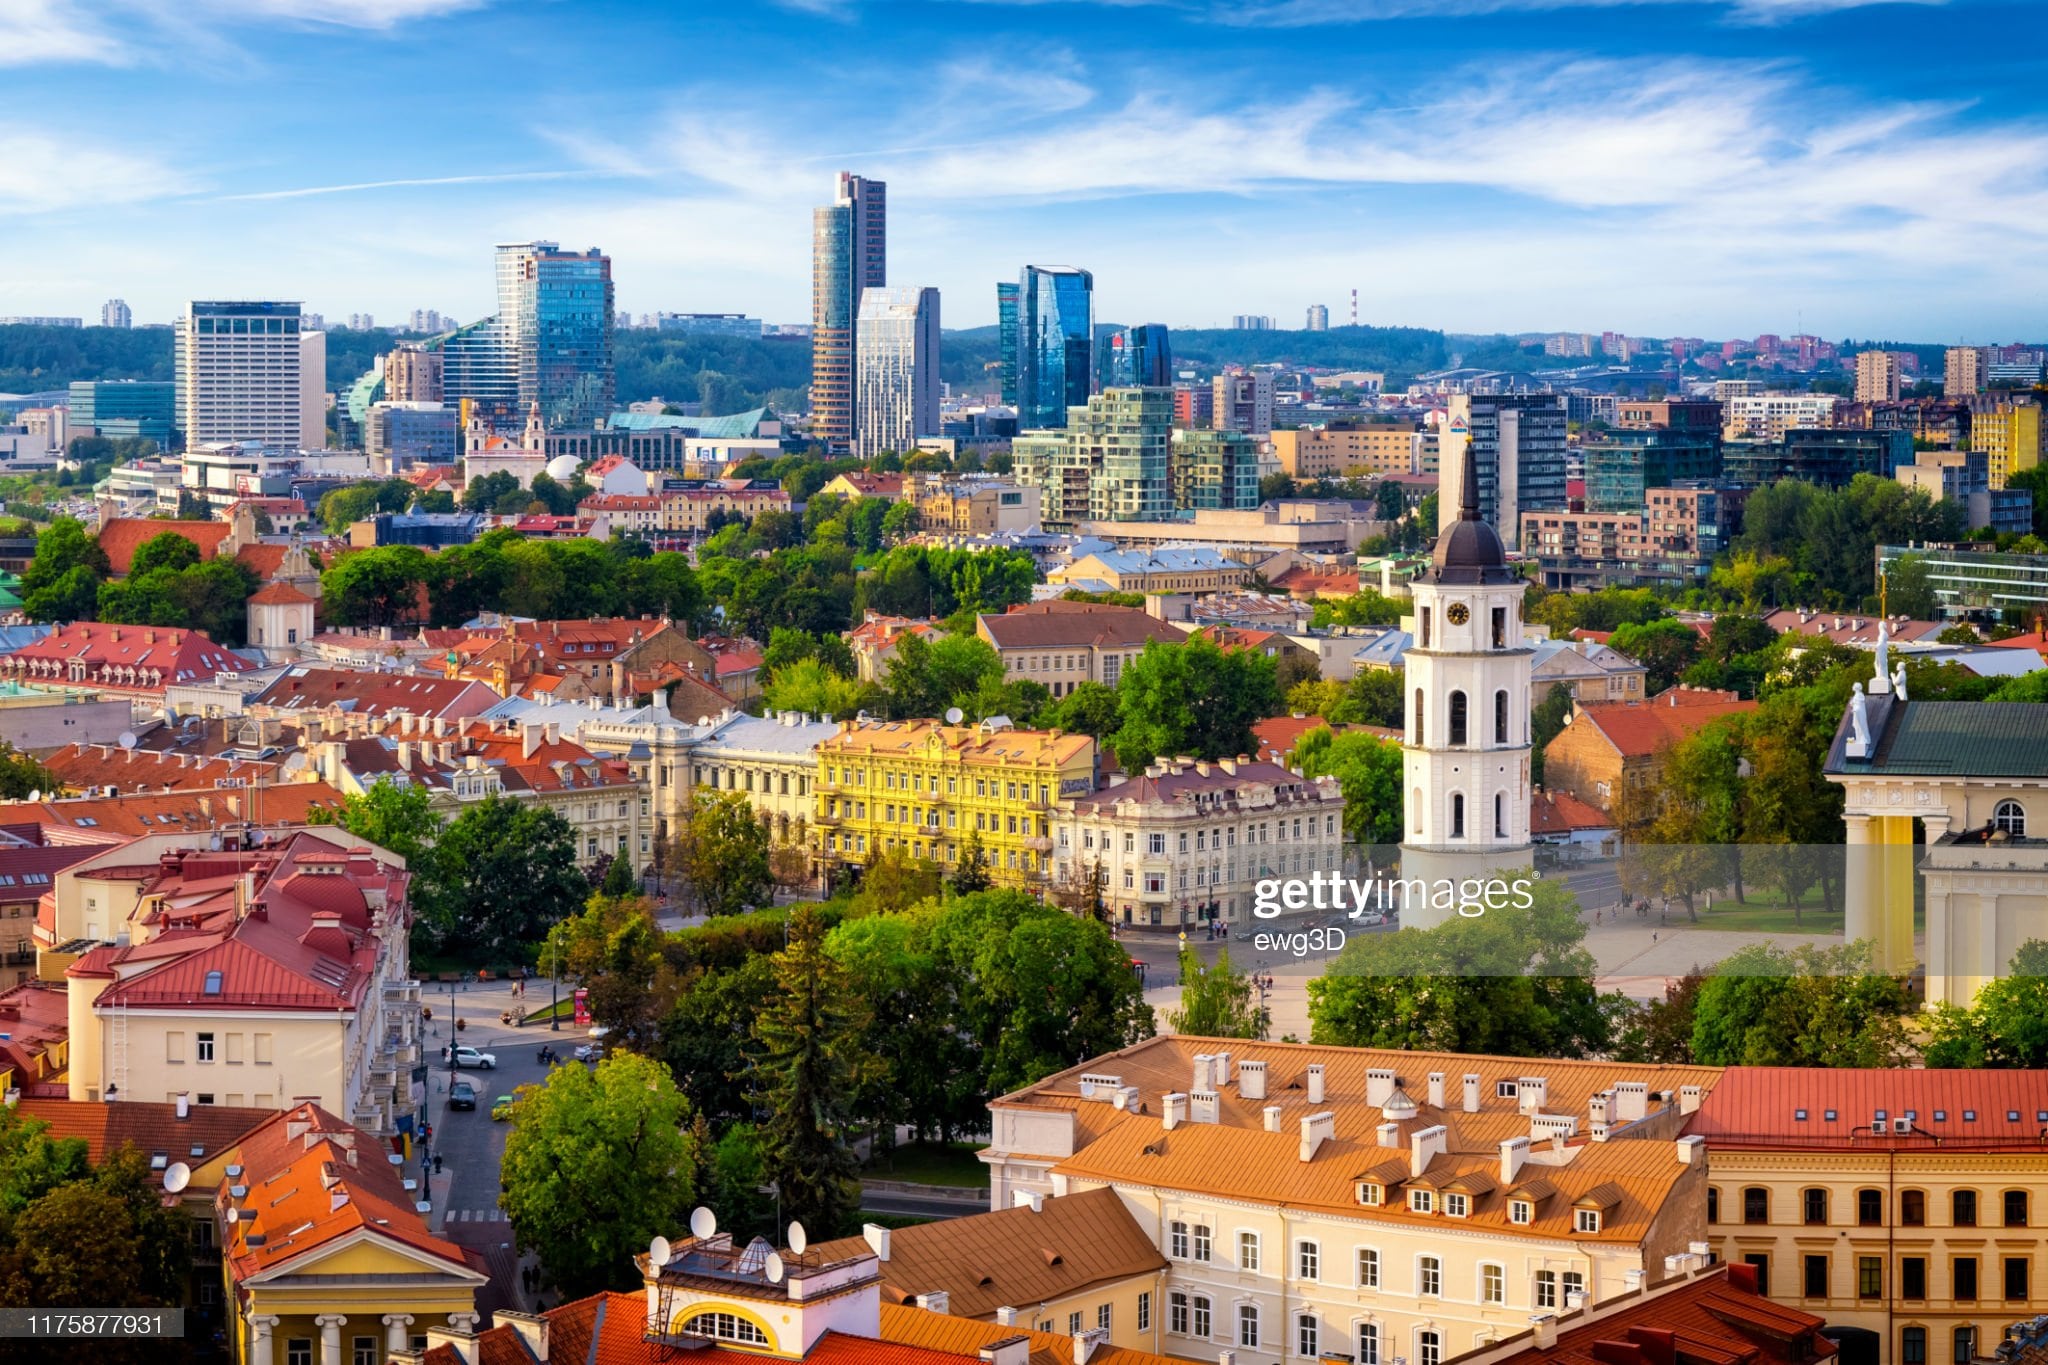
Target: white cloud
130 32
369 14
37 32
50 172
424 182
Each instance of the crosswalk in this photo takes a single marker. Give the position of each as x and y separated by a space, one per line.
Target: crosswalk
476 1216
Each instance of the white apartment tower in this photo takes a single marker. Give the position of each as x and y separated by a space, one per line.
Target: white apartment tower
1467 740
896 369
1963 371
115 313
1877 377
249 371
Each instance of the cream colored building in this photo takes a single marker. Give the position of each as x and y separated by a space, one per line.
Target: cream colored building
1768 416
1316 1201
1344 450
1877 377
978 506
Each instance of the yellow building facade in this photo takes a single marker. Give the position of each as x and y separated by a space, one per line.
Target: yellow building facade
924 787
1344 451
2011 435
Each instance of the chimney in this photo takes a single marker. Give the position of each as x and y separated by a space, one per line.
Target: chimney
1533 1090
1471 1093
938 1301
1226 1358
1219 1070
532 1329
1692 1150
1659 1345
184 1104
1272 1113
1689 1097
1513 1152
1034 1198
1543 1327
1378 1085
1424 1144
1436 1089
1174 1111
1631 1101
461 1340
405 756
1389 1134
1086 1342
1010 1350
878 1239
1315 1130
1315 1082
1204 1107
1251 1080
1632 1280
1203 1072
1006 1316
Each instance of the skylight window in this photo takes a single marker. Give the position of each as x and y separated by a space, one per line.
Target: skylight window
213 983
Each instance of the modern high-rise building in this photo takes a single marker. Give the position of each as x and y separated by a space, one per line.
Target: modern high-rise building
1877 377
1135 356
1251 322
1243 402
122 408
1963 371
555 310
1110 461
249 371
1518 457
114 313
413 374
2009 434
1212 470
1048 337
849 254
896 369
362 322
1319 317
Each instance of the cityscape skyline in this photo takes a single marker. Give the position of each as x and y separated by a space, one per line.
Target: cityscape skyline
1652 168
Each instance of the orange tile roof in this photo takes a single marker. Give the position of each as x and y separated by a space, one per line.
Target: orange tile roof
121 537
1759 1107
1713 1319
963 1336
105 1126
286 803
1278 735
130 658
1638 729
92 767
1559 812
1018 1256
280 594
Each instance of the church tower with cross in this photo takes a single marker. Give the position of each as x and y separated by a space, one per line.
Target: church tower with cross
1467 735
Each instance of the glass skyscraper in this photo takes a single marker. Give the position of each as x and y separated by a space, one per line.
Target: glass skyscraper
1138 356
849 254
549 344
1110 461
896 370
1048 343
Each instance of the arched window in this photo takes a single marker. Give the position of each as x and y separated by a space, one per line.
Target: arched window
1458 815
1500 815
724 1327
1457 735
1419 739
1500 717
1415 809
2010 817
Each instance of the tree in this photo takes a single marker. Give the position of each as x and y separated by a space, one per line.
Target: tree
1215 1001
62 582
895 881
722 853
376 588
614 948
1195 698
1368 770
1511 981
1664 648
1660 1031
484 494
619 881
1546 722
927 676
1765 1006
1080 891
706 1035
732 1178
401 820
1089 709
167 551
809 686
900 522
596 1165
924 1075
971 874
1909 591
810 1066
509 871
2007 1024
21 775
1390 500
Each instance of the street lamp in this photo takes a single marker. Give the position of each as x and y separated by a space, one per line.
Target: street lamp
554 985
451 1031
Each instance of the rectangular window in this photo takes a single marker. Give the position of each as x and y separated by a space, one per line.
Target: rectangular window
1963 1278
1429 1277
1913 1278
2015 1208
1177 1314
1429 1348
1869 1277
1102 1316
365 1351
1457 1205
1964 1205
1248 1326
205 1049
1546 1289
1307 1338
1574 1282
1965 1339
1368 1344
1587 1220
1493 1284
1177 1241
1201 1245
1756 1205
1073 1324
298 1351
1913 1346
2016 1278
1814 1206
1308 1261
1145 1311
1247 1251
1421 1201
1201 1316
1368 1268
1816 1277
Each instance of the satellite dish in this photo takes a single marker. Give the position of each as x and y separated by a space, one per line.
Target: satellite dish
234 1215
177 1177
658 1252
703 1222
954 715
35 796
772 1267
127 739
798 1239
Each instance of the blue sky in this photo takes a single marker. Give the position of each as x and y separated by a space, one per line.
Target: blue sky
1700 167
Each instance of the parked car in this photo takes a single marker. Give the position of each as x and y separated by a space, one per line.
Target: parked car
589 1052
469 1056
501 1108
461 1095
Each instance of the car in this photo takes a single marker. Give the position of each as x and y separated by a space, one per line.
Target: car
469 1056
461 1095
501 1108
589 1052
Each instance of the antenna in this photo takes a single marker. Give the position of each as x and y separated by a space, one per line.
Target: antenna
954 715
127 739
772 1267
658 1252
798 1238
703 1222
176 1177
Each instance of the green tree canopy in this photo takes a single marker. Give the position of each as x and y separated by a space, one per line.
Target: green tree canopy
62 582
1368 770
1193 698
508 872
1767 1006
1215 1001
722 853
2007 1024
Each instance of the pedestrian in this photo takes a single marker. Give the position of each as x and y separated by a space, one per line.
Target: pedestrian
437 1163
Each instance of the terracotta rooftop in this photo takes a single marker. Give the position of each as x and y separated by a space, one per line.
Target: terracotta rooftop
963 1336
121 537
1188 783
152 1126
1559 812
134 658
1075 625
310 687
1016 1256
1716 1318
969 743
1638 729
285 803
94 767
280 594
1813 1108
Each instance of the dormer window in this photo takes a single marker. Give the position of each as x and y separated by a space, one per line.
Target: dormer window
1370 1194
1457 1205
1521 1211
1586 1220
1506 1090
1422 1201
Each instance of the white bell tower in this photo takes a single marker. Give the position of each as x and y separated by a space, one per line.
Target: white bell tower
1467 738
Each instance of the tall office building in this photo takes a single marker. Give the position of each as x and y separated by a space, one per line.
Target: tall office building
1877 377
249 371
114 313
1518 458
1243 402
1963 370
556 307
1139 356
122 408
1319 317
896 369
849 254
1111 461
1251 322
1048 337
413 374
1214 470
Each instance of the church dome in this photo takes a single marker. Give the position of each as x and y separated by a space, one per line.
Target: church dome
1471 551
563 468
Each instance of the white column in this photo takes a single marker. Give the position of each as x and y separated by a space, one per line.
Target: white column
260 1325
330 1337
464 1322
397 1335
1862 895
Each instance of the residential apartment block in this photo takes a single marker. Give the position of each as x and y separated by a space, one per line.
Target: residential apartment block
1063 644
1768 416
1339 450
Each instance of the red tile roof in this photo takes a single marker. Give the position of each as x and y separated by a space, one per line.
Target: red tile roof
1559 812
280 594
310 687
1956 1110
35 1016
1060 624
285 803
1278 735
152 1126
124 658
121 537
92 767
1638 729
1714 1319
1305 581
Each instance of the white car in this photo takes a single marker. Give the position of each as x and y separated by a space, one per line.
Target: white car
482 1061
589 1052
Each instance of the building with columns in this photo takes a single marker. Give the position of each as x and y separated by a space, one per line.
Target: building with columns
326 1258
1467 735
1974 777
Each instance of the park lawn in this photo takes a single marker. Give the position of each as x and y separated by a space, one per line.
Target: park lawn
932 1163
1768 917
